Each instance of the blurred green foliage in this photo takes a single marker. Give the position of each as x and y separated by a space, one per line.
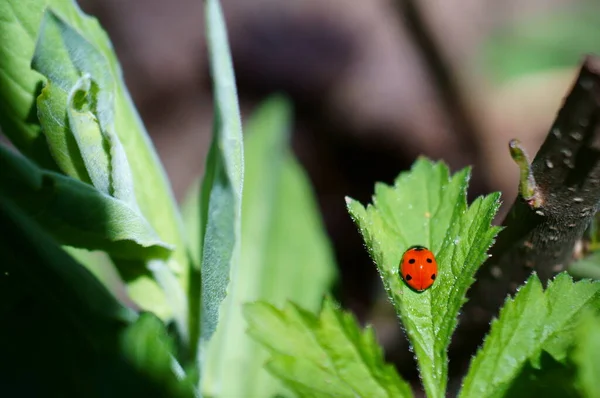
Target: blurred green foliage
537 43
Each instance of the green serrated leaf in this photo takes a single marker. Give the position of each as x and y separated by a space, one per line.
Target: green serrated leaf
221 191
325 356
549 379
285 254
512 341
586 356
530 324
566 301
428 207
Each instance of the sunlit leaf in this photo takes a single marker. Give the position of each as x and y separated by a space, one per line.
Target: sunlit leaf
77 214
324 356
426 206
72 47
285 254
221 191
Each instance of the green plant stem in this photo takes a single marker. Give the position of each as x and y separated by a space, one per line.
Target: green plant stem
541 237
527 186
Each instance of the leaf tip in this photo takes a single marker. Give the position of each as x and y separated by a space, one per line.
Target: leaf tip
349 201
354 207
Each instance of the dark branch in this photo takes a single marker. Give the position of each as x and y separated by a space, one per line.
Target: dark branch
441 72
541 235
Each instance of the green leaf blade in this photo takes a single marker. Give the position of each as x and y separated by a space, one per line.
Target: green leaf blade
86 101
326 355
18 88
426 206
149 349
63 147
126 140
104 223
86 331
511 343
466 244
586 356
285 253
534 324
53 271
567 301
221 192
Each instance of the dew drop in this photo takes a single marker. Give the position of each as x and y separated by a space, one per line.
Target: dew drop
556 132
572 225
539 213
566 152
569 164
577 199
553 238
549 163
576 136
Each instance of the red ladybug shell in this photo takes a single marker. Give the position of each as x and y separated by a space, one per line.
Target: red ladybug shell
418 267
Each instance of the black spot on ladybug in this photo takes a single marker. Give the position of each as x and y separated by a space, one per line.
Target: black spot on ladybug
411 261
429 260
432 277
408 277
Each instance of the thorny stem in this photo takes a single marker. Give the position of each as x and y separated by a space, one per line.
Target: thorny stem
565 177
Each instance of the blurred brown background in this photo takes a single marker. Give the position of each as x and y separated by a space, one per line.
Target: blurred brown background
372 88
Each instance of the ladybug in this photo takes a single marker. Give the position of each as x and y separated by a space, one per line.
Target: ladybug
418 267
